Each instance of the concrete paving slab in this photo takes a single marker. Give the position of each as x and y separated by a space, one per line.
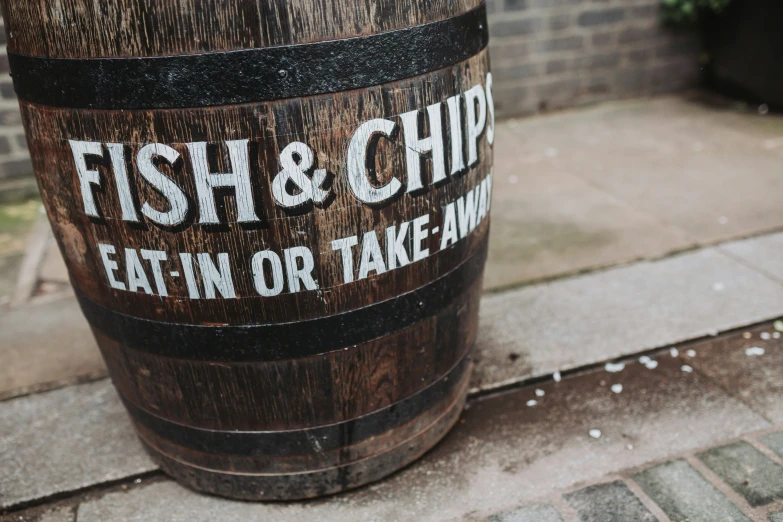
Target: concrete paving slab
707 194
748 471
774 441
753 376
534 513
776 517
46 343
763 253
571 323
503 453
65 440
688 165
685 496
546 222
611 502
58 515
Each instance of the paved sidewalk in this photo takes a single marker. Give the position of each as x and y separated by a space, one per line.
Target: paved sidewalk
667 437
618 230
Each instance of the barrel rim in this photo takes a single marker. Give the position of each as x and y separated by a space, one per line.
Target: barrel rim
249 75
312 483
328 437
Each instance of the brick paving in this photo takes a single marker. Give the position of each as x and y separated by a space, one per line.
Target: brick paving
680 491
609 502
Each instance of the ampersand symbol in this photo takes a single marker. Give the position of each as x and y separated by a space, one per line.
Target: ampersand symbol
309 188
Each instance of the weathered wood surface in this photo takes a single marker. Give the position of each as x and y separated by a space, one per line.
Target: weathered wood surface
94 28
325 123
212 417
297 393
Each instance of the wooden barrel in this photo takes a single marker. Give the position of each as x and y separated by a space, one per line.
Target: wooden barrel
275 218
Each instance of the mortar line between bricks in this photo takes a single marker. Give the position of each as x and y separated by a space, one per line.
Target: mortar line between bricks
772 507
723 488
567 513
771 455
626 474
649 503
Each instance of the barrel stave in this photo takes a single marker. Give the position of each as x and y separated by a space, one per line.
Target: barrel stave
356 362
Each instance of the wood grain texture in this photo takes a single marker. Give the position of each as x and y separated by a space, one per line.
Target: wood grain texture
314 460
316 482
335 390
325 123
95 28
297 393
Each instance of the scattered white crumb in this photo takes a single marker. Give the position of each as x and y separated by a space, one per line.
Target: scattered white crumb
776 335
540 393
686 368
713 332
531 403
644 359
556 376
674 352
723 220
594 433
614 367
691 353
754 350
602 382
747 335
651 365
630 446
778 325
512 179
617 388
718 287
766 336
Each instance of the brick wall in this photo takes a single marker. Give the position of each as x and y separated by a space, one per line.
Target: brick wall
550 54
14 160
546 54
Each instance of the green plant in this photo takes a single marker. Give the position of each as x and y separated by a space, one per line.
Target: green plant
689 11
